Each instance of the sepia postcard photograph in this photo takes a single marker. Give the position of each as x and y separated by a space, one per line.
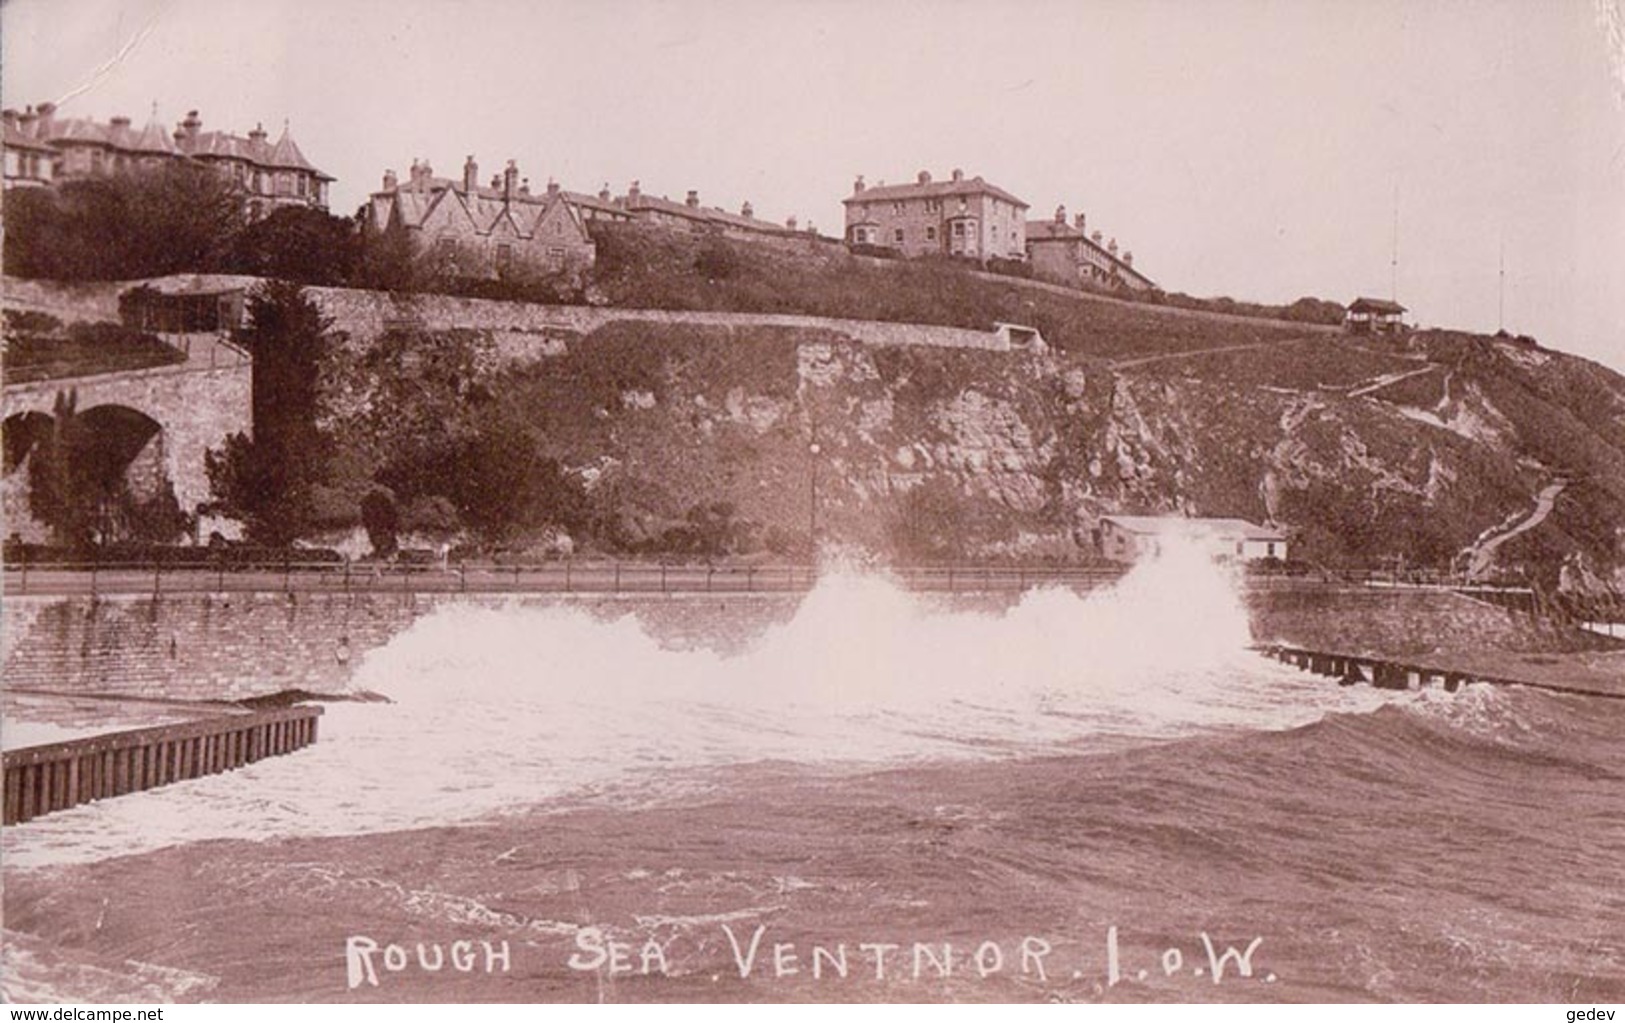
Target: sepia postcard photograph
813 501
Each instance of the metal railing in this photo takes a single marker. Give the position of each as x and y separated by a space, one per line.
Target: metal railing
155 577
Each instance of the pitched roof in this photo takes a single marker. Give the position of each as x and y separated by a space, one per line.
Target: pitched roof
933 190
16 138
1175 525
1042 231
1376 305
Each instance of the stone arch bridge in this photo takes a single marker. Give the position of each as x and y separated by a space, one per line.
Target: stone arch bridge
143 426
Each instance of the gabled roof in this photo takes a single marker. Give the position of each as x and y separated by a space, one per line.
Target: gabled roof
933 190
1175 525
1376 305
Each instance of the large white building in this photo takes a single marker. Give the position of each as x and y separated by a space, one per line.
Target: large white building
1131 537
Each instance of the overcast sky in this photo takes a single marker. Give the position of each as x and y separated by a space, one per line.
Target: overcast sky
1245 148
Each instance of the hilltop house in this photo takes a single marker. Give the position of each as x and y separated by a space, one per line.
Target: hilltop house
958 217
1130 537
486 231
1374 316
41 148
1065 254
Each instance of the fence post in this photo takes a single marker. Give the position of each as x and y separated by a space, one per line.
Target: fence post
567 582
287 572
950 579
156 568
462 576
617 577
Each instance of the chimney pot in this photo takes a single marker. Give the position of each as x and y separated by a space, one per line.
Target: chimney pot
390 181
1060 214
747 210
552 187
471 175
858 185
790 222
1096 236
924 177
604 193
524 186
693 199
1128 257
958 175
1080 221
1111 246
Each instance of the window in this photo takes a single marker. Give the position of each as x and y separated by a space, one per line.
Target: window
1271 550
897 236
897 207
504 257
933 206
931 233
555 258
959 229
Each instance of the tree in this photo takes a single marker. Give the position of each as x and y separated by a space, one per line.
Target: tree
266 481
298 243
62 488
143 223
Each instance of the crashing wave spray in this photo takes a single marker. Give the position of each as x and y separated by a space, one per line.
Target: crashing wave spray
508 707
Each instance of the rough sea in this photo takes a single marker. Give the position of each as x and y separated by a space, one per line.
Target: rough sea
1081 797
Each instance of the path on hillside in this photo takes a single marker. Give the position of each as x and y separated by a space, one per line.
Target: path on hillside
1146 360
1388 380
1482 553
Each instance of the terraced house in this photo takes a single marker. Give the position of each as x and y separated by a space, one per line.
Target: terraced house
480 231
1065 253
42 148
958 217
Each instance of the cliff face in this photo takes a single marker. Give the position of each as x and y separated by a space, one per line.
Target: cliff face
1445 451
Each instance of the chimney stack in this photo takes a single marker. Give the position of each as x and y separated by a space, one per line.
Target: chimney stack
604 193
390 181
693 199
958 175
187 134
924 177
471 176
258 134
1060 214
510 179
47 117
1111 246
552 188
1128 258
633 193
790 222
858 185
747 210
1096 236
1080 222
524 186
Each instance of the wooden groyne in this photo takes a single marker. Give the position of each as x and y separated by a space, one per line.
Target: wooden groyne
1354 669
40 779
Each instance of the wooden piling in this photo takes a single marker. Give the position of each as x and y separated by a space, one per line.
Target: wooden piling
42 779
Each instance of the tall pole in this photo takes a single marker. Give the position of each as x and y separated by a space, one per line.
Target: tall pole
1393 262
1501 297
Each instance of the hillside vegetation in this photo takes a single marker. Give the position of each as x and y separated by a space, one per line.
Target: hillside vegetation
1424 452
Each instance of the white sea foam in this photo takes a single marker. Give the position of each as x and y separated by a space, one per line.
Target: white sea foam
500 708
